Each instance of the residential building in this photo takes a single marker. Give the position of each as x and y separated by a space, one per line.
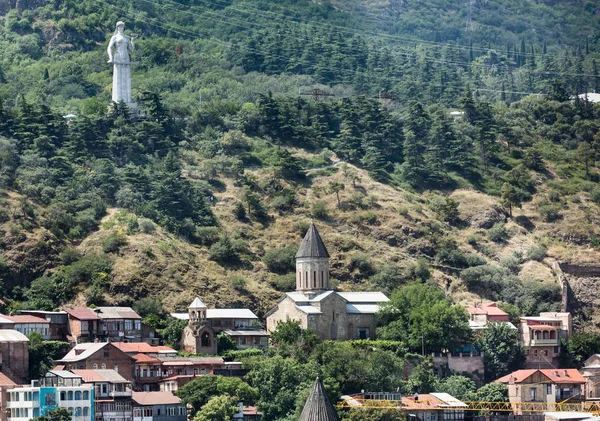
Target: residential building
134 348
204 324
98 355
177 366
26 324
5 384
83 325
421 407
14 355
112 394
158 406
148 372
481 314
329 314
58 320
591 372
58 389
544 385
541 336
119 324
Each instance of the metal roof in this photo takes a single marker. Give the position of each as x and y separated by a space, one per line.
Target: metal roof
96 376
308 309
197 303
246 332
362 308
64 374
82 351
11 335
230 313
155 398
317 406
82 313
449 400
116 313
312 245
371 297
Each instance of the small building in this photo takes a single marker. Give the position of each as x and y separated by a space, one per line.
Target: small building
98 356
148 372
178 366
58 389
119 324
544 385
541 336
158 406
112 394
481 315
330 315
83 325
205 323
5 384
58 320
591 373
14 355
26 325
134 348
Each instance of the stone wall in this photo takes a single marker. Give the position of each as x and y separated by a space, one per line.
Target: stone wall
286 310
461 363
15 360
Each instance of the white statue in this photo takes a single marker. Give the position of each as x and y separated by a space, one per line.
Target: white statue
121 89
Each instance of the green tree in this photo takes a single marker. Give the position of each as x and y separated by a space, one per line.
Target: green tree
173 331
335 187
586 155
422 312
491 392
502 353
58 414
511 196
42 354
218 408
456 385
578 348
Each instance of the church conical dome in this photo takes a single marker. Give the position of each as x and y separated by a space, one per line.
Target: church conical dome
197 303
317 406
312 245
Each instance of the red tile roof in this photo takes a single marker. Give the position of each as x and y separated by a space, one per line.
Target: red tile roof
81 313
490 309
141 347
25 319
6 381
155 398
564 376
143 358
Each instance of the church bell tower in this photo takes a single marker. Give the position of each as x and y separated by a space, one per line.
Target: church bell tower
312 263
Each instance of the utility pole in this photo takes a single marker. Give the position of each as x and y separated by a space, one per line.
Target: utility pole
385 98
317 93
422 344
469 25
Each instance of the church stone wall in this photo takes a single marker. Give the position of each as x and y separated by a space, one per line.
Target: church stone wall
286 310
332 322
309 266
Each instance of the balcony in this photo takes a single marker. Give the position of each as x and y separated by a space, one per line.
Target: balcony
23 404
544 342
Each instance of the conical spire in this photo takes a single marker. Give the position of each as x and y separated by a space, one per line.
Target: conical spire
317 406
312 245
197 303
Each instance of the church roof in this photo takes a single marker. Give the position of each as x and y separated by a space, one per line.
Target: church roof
197 303
312 245
317 406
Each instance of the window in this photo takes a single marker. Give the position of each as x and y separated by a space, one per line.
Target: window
36 412
138 324
78 395
78 411
545 352
548 389
86 395
36 396
117 368
535 353
95 366
137 412
70 395
86 411
63 396
532 394
106 352
158 412
314 279
128 324
147 412
363 333
103 366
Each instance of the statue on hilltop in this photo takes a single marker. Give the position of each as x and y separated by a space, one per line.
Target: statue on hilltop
122 44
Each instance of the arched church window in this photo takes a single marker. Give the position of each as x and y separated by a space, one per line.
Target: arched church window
205 339
314 279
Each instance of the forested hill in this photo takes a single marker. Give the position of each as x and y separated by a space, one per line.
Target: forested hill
209 193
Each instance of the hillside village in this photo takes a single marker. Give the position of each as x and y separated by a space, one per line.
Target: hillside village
115 367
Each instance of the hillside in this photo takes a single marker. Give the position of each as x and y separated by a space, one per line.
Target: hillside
209 193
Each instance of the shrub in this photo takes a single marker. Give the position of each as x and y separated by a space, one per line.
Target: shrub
70 255
554 196
281 260
536 253
207 236
224 252
237 282
302 227
147 226
113 242
285 282
486 280
498 232
146 306
595 195
239 211
319 210
511 263
549 213
362 262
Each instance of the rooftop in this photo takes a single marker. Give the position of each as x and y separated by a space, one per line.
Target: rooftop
11 335
362 308
312 245
221 313
559 376
190 360
155 398
372 297
489 308
82 313
143 358
143 347
24 319
317 406
231 332
97 376
116 313
82 351
197 303
6 381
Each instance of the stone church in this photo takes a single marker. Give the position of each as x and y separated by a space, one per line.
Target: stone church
329 314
